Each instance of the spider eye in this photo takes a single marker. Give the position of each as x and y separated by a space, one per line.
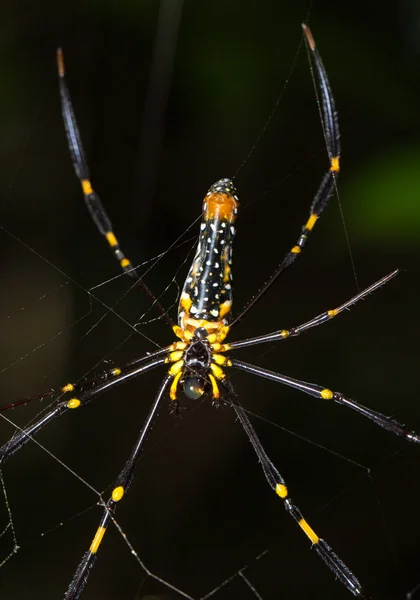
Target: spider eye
194 387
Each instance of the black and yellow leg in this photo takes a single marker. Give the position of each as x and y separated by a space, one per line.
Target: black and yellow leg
324 550
284 334
92 200
324 393
277 483
328 182
332 138
121 487
22 436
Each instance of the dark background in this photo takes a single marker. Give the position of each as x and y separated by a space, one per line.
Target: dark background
200 509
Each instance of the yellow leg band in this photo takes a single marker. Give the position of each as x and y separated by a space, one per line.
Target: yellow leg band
86 186
111 239
281 490
309 531
73 403
296 250
68 388
327 394
96 542
117 493
125 262
335 164
311 222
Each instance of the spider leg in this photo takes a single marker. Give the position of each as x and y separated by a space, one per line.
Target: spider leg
121 486
318 391
278 484
22 436
92 200
328 182
112 372
283 334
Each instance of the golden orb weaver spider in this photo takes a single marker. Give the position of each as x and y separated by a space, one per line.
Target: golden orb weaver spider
202 347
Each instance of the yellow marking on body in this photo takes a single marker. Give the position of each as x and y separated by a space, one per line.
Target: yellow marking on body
96 542
194 272
174 386
117 493
68 388
73 403
332 313
296 250
311 222
212 338
186 302
217 371
203 324
115 372
335 164
124 262
86 186
327 394
112 240
309 531
214 386
225 308
281 490
226 274
190 325
284 333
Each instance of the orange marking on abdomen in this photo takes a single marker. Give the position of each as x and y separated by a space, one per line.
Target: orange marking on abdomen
222 206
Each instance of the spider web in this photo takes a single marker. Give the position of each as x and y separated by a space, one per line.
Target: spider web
199 513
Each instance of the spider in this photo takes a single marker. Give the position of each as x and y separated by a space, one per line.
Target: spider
198 361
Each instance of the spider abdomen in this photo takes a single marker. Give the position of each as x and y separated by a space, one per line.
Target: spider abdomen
207 293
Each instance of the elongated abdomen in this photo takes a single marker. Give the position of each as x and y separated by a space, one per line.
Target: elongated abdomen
207 294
